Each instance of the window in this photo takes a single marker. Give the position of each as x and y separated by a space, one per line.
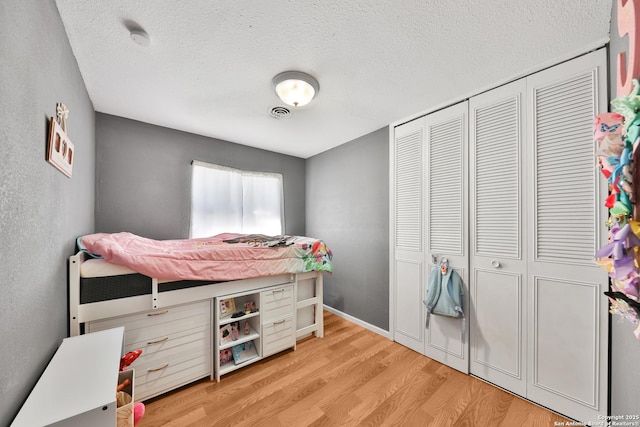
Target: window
230 200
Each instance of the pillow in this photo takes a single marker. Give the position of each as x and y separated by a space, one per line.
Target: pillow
83 248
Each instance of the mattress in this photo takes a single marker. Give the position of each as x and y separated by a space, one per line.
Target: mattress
103 281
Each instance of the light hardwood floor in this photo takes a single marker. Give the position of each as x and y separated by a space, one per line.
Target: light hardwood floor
351 377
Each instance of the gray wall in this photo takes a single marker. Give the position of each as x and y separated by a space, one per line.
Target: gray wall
143 177
41 210
348 207
625 348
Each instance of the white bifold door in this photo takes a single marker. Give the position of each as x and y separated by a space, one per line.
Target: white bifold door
407 264
429 223
498 249
446 226
505 187
539 317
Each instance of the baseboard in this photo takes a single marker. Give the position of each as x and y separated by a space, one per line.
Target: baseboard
359 322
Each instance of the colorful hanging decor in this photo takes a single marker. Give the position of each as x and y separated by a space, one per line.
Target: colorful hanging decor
617 136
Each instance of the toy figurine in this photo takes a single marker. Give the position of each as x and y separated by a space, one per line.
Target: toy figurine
234 331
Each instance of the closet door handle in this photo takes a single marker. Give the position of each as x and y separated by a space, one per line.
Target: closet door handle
496 264
158 341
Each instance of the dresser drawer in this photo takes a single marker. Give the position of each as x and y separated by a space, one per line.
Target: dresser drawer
192 338
277 303
278 335
153 364
175 344
177 369
156 324
170 363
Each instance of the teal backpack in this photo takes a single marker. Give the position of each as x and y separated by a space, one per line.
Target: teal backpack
445 294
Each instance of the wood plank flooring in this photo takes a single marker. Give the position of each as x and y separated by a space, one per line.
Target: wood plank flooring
351 377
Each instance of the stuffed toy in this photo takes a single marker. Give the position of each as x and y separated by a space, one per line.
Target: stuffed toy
138 412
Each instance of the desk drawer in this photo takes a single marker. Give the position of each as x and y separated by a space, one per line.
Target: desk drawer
277 303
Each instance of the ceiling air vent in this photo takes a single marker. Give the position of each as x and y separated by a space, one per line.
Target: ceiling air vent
280 112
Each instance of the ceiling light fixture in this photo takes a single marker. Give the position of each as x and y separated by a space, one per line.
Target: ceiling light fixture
295 88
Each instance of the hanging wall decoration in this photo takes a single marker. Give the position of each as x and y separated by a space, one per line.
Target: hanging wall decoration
617 135
60 149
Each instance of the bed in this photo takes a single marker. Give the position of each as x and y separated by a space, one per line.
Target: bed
168 295
115 274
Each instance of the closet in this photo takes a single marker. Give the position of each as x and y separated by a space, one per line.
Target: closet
513 200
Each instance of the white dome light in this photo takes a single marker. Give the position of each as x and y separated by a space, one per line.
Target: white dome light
295 88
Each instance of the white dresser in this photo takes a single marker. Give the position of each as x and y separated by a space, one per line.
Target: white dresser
175 344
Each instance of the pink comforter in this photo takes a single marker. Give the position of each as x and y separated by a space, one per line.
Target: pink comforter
209 258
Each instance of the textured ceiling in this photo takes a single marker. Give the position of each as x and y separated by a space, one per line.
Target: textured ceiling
209 67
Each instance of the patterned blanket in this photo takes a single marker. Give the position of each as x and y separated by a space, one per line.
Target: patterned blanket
227 256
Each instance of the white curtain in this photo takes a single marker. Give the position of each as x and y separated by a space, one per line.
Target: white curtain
262 202
230 200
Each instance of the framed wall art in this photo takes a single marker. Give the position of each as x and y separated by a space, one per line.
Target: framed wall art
60 149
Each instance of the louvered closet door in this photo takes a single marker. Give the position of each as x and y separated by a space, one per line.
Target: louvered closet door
567 312
446 225
407 269
498 263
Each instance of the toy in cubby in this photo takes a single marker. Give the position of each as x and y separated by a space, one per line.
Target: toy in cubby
226 356
128 413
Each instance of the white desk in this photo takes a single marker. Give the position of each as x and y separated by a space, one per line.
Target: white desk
78 388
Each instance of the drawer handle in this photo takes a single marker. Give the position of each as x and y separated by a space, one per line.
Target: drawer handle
279 322
158 369
158 341
277 290
158 314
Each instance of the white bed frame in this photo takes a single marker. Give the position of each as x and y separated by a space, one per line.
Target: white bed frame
305 296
